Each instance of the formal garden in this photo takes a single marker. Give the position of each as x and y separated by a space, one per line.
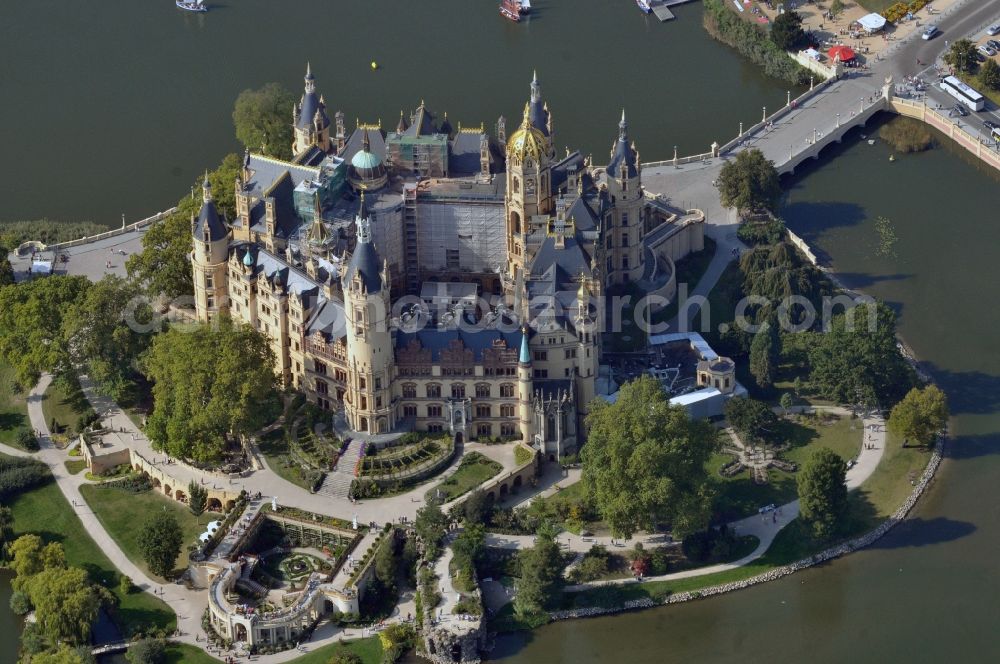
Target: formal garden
291 567
416 457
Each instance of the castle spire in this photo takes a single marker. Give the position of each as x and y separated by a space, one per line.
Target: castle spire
206 189
623 128
536 88
310 80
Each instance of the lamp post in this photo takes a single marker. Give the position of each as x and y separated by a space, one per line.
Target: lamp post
838 119
789 153
741 130
788 98
862 99
811 80
764 116
814 136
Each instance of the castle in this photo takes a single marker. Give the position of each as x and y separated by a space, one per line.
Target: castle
436 278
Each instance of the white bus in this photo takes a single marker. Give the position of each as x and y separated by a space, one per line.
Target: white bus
963 93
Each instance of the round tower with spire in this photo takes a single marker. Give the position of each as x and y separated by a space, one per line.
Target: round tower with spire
210 236
311 124
370 357
624 180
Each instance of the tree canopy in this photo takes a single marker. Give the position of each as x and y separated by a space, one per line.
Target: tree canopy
753 419
263 120
962 55
6 270
30 556
765 354
858 361
989 74
210 381
644 462
541 575
430 525
160 543
749 182
920 415
65 603
823 493
31 325
787 32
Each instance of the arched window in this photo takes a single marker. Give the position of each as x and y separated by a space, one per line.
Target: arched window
516 186
515 222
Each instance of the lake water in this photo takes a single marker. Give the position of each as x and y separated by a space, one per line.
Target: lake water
118 106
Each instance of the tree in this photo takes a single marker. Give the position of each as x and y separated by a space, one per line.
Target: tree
20 603
146 651
823 493
125 585
989 74
477 507
753 419
962 55
920 415
262 122
65 603
777 273
197 498
858 361
836 7
160 543
430 525
31 325
541 575
64 654
787 401
470 542
787 32
103 330
749 182
31 556
765 354
6 528
210 382
644 461
385 564
6 270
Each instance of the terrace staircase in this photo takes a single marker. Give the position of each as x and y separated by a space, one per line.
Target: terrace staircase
337 483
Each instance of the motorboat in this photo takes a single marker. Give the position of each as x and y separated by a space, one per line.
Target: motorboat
644 6
525 7
191 5
509 9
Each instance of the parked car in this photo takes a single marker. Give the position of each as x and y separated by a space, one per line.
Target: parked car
990 125
930 32
994 44
958 108
986 50
993 30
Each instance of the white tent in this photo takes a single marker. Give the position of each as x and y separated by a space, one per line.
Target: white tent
213 526
872 22
205 537
812 53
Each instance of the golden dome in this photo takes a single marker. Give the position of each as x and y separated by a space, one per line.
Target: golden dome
527 141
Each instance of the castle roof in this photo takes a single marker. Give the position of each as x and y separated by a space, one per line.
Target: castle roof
437 340
209 225
623 155
364 261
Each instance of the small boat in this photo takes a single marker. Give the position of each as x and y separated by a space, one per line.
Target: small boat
871 141
509 9
525 7
892 157
644 6
191 5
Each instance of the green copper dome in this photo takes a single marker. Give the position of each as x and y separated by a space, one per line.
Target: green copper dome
364 160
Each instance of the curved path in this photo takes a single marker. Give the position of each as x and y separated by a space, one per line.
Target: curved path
189 605
764 527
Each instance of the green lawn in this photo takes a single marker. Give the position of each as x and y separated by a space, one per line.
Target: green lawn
473 471
74 466
45 512
369 650
739 496
274 447
64 402
182 653
13 410
123 514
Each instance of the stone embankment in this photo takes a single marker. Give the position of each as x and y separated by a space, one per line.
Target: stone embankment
779 572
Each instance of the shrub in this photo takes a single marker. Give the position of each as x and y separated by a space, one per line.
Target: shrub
26 441
20 603
752 43
146 651
17 474
761 232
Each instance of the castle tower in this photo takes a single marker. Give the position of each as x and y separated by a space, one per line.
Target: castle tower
311 123
368 400
624 236
588 348
209 258
541 118
524 388
529 187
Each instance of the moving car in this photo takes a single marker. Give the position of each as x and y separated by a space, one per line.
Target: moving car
990 125
993 30
930 32
958 108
